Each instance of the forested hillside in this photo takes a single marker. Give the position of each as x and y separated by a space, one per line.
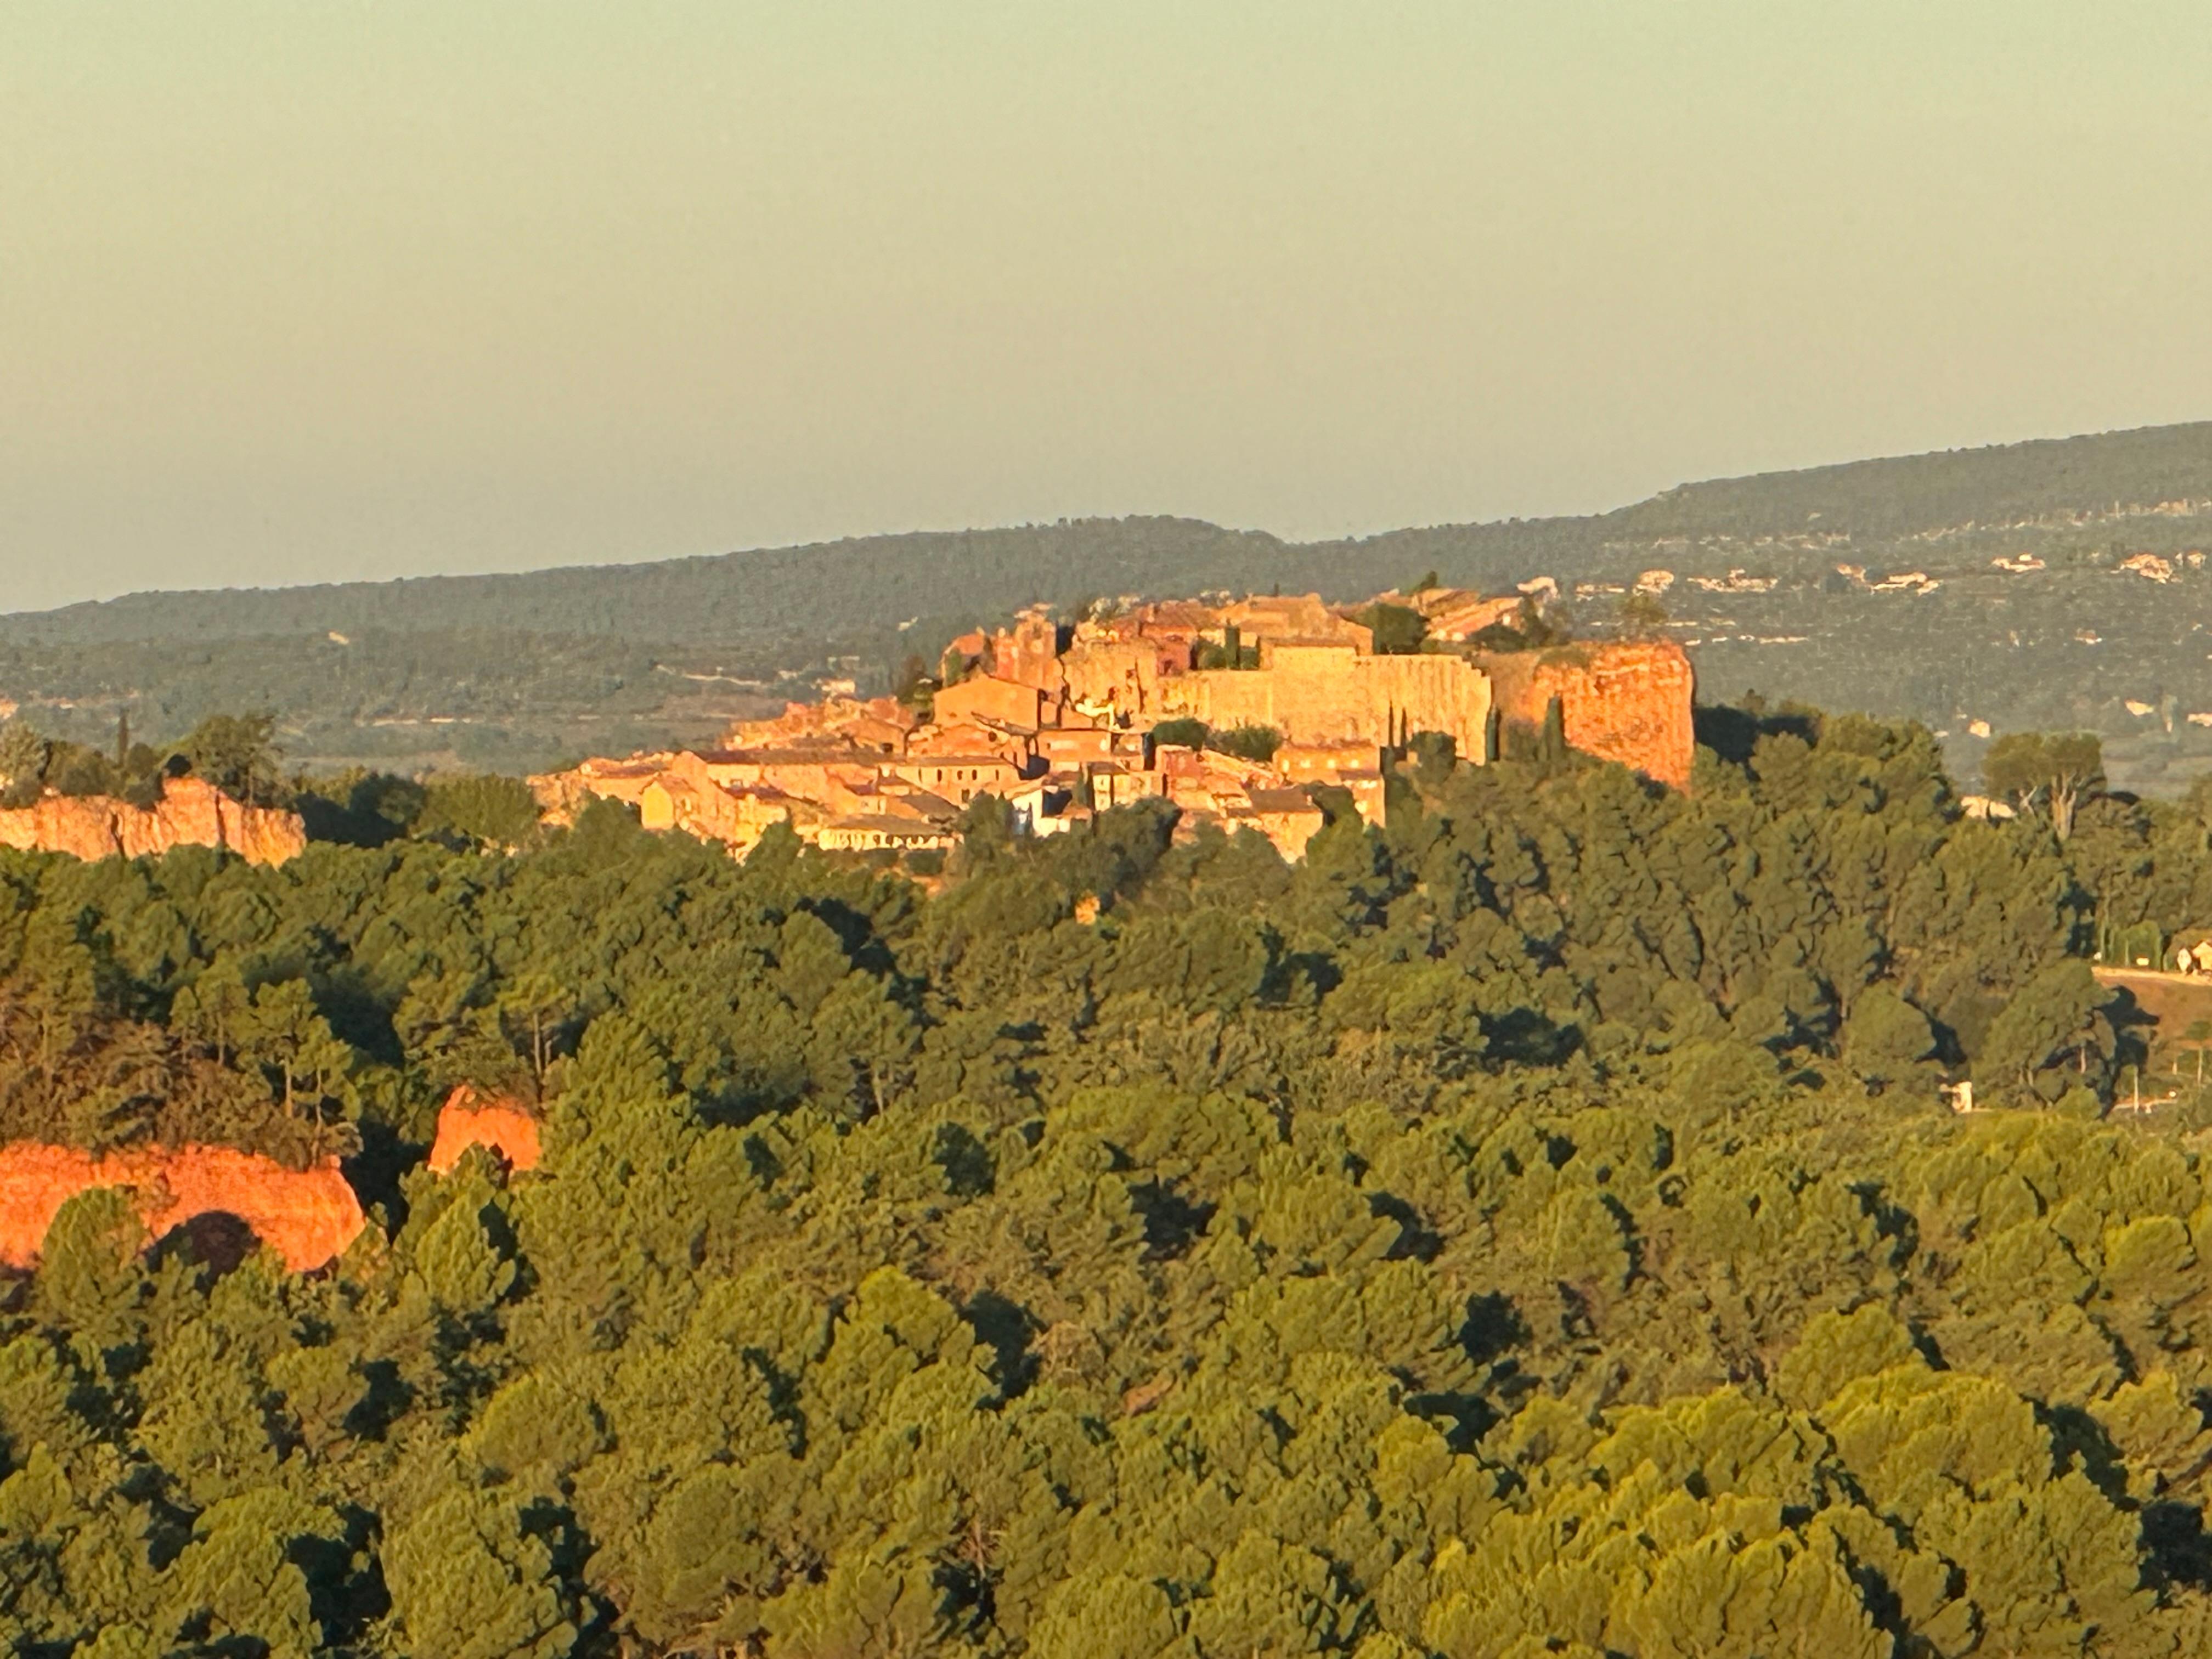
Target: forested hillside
1531 1231
519 671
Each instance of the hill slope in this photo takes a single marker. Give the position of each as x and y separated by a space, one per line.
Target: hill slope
513 670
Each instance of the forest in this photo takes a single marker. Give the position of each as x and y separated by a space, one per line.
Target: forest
1538 1228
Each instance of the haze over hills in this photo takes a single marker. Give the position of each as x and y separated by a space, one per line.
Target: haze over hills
2072 628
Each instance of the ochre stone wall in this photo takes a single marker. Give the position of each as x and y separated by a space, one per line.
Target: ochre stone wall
1120 676
1628 701
1326 693
1030 654
308 1216
472 1118
192 813
1008 702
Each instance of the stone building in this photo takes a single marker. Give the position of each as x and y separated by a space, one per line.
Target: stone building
958 778
986 696
869 834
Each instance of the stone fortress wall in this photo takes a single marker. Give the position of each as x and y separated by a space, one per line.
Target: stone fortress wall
1329 693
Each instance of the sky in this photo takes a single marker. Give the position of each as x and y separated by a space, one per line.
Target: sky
303 293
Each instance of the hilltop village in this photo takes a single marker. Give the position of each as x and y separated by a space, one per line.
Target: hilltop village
1237 713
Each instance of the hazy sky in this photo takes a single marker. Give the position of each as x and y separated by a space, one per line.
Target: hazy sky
295 292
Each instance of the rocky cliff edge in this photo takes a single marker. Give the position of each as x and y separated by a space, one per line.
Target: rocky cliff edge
192 812
308 1216
1628 701
471 1118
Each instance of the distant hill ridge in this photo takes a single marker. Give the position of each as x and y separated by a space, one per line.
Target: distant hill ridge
1908 495
2059 583
877 582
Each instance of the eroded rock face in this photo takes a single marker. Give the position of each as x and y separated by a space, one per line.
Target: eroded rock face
1628 701
192 813
308 1216
471 1118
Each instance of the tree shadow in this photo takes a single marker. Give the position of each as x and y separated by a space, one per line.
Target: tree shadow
1417 1240
1493 1325
1734 732
374 1170
1006 1328
2177 1549
1172 1223
216 1241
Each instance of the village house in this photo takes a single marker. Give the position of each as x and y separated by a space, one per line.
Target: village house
1454 615
869 835
1114 783
1355 768
1288 817
1072 745
986 696
958 778
737 814
1275 619
1049 805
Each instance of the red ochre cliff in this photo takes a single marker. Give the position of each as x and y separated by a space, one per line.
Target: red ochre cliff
192 813
472 1118
308 1216
1628 701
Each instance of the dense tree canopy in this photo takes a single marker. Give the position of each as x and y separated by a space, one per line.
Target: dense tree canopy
1530 1229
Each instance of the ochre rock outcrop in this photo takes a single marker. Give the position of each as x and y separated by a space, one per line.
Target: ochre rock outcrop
1628 701
471 1118
308 1216
192 813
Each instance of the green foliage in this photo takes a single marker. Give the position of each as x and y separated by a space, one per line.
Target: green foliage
2048 1022
1527 1228
1399 630
482 811
358 808
1252 743
467 1580
237 753
1887 1040
1642 615
2048 773
1230 652
24 753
